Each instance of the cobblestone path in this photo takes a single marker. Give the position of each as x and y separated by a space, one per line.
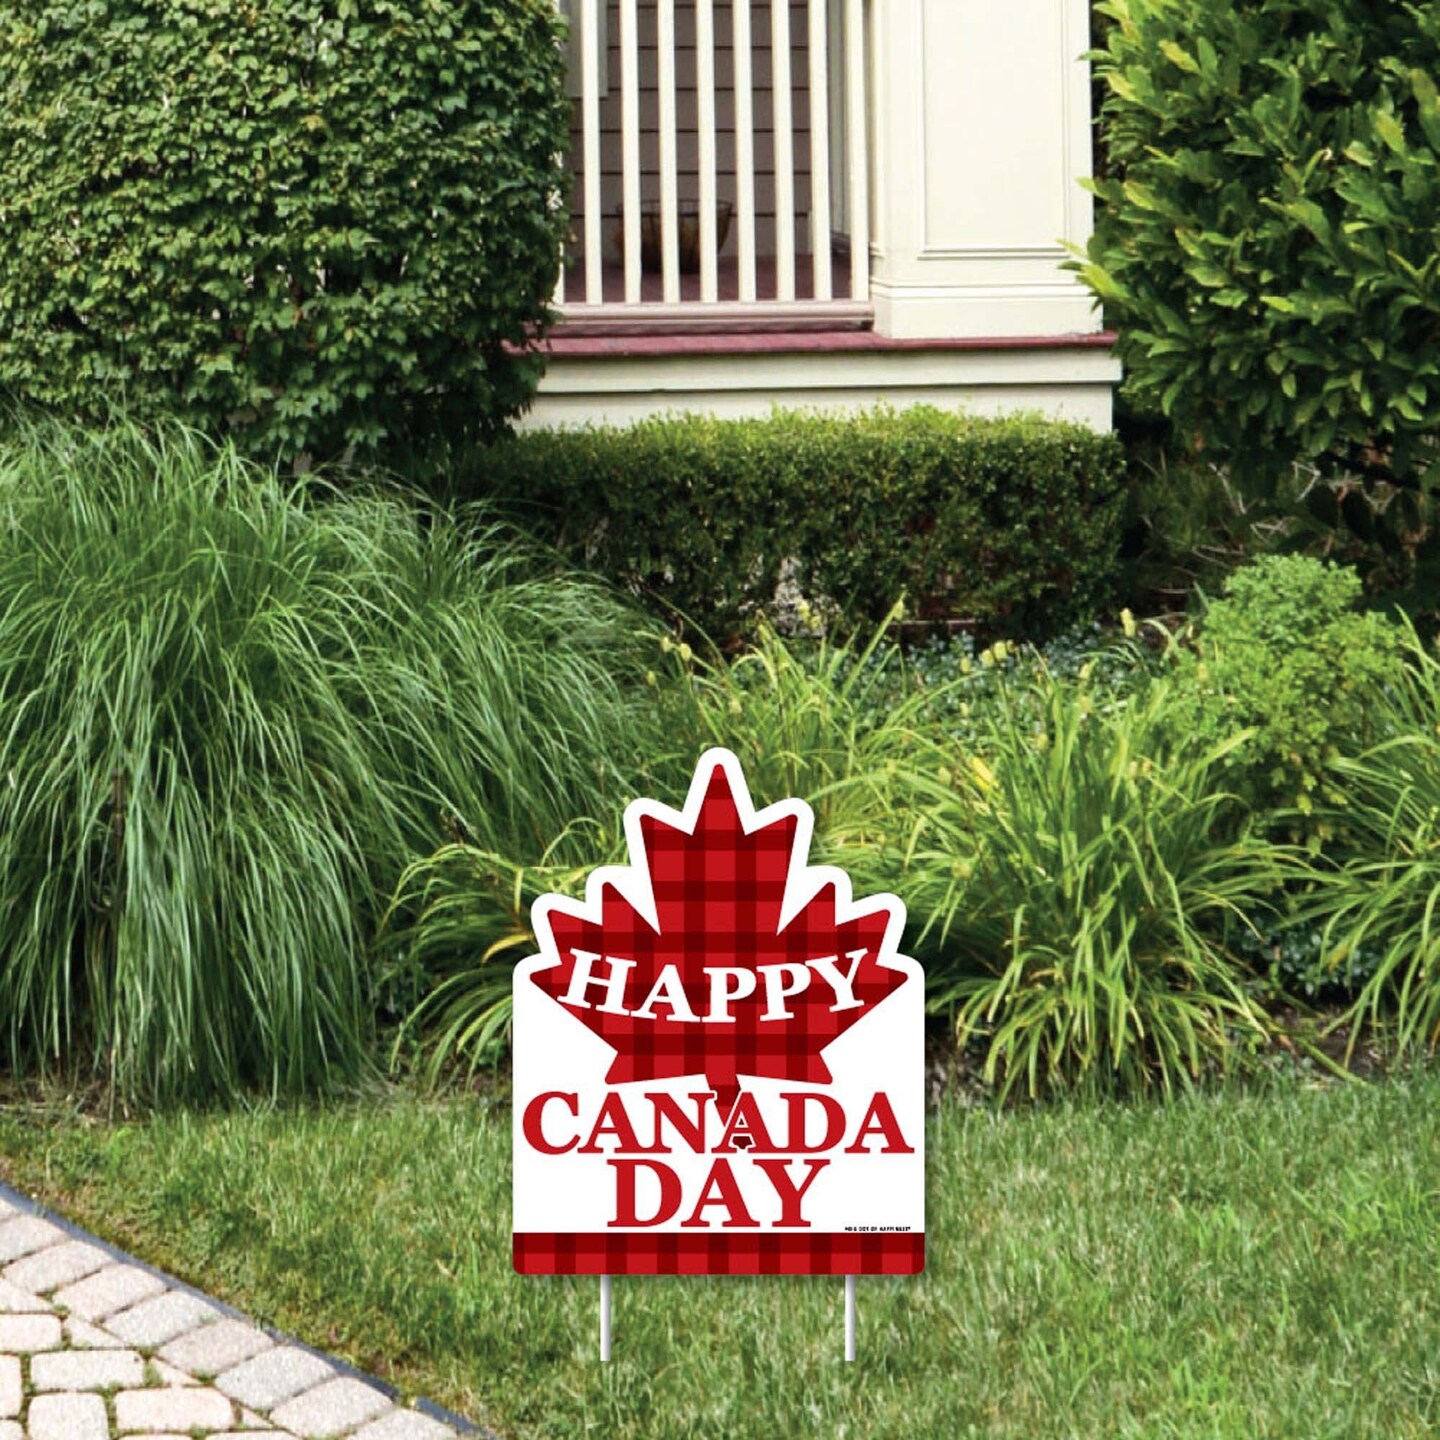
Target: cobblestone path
95 1346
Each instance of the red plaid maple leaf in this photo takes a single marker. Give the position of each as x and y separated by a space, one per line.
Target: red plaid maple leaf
716 881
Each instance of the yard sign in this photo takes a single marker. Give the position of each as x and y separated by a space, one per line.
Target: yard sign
718 1059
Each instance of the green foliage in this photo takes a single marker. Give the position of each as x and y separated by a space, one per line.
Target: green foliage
1078 875
1285 658
312 223
1188 524
824 722
1014 522
1265 237
1385 902
838 721
1387 532
1062 861
967 691
1293 958
233 713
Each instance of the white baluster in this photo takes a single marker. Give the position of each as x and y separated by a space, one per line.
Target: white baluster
558 199
857 143
820 151
784 150
744 148
669 177
590 113
630 144
705 95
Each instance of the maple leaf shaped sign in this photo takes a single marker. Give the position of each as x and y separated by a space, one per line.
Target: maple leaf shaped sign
718 951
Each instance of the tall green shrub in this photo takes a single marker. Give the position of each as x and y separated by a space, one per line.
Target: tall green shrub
312 223
1265 243
232 714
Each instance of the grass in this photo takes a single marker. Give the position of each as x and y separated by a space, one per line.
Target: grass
234 711
1257 1263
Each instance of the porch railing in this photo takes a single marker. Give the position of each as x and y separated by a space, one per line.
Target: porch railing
627 181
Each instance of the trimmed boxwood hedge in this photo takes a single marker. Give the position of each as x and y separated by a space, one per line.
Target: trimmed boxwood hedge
312 223
1014 523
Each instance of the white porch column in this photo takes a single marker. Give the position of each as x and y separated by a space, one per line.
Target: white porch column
981 114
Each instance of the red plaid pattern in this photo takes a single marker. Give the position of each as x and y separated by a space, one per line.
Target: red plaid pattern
719 893
628 1253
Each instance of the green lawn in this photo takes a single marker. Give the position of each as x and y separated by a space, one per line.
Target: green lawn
1236 1265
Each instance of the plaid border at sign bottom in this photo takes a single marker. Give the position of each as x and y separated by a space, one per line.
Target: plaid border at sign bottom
667 1253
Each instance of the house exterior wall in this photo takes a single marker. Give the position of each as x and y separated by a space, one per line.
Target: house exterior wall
979 118
620 381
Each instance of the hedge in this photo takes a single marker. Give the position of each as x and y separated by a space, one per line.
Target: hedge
1013 523
312 223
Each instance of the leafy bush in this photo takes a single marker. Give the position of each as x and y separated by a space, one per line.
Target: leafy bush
1385 903
1075 885
233 714
1265 242
1014 522
1284 657
313 225
1293 958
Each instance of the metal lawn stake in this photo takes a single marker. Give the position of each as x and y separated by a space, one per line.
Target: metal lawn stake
718 1060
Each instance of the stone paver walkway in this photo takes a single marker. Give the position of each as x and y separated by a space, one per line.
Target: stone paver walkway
94 1346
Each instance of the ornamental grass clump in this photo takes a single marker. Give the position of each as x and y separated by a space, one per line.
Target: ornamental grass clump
232 713
1384 903
1078 881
